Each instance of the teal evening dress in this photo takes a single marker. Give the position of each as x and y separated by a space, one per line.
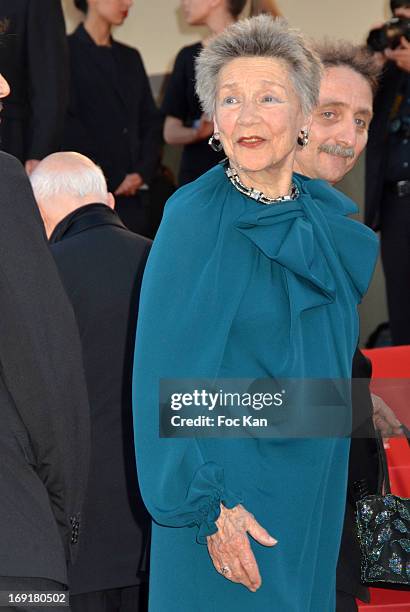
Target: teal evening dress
234 288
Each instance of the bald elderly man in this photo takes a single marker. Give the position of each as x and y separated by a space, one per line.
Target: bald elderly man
337 138
101 265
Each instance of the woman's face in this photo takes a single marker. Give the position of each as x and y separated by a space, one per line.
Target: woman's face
257 114
4 90
113 11
196 12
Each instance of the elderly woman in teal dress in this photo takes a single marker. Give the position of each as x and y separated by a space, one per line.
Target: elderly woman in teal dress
256 272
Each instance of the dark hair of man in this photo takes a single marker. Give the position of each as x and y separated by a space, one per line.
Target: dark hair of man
235 7
396 4
355 57
82 5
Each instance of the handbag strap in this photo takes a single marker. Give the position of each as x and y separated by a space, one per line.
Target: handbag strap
384 479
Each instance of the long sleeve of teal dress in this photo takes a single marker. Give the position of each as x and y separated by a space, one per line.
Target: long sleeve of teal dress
188 489
234 288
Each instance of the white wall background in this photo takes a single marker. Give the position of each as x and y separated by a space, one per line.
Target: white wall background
157 29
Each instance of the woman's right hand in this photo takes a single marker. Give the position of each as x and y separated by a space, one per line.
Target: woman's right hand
230 549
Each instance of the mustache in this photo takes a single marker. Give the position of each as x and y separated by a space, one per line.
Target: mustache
337 150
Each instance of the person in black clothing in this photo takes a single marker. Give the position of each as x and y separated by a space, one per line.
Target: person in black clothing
112 117
185 123
337 137
388 182
44 432
33 59
101 265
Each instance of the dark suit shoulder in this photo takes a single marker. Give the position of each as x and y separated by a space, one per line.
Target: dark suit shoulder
127 49
16 196
80 37
79 41
12 175
120 240
9 162
185 59
129 55
190 51
72 39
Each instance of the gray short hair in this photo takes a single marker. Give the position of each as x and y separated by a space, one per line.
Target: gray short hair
79 182
260 36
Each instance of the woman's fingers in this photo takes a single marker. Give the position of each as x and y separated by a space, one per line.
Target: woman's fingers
220 564
230 567
230 548
239 569
259 533
236 562
250 567
236 572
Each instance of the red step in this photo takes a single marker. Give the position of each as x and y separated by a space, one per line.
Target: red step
386 600
391 373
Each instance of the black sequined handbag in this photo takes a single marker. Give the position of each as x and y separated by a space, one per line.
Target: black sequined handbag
383 526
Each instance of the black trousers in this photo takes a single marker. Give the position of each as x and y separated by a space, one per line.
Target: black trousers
395 250
126 599
345 602
11 583
142 213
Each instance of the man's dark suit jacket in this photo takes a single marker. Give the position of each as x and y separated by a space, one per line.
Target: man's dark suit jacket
44 430
33 59
101 265
390 86
112 117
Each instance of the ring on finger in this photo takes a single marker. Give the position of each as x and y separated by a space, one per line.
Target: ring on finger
225 570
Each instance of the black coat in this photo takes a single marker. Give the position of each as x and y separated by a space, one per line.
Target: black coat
112 117
34 60
44 432
363 465
376 150
101 265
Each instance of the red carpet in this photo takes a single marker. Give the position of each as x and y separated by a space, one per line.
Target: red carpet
391 374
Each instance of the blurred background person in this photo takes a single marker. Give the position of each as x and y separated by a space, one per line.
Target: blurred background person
185 123
101 265
112 117
33 59
388 171
44 433
269 7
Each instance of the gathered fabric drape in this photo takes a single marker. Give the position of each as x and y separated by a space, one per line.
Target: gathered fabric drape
234 288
